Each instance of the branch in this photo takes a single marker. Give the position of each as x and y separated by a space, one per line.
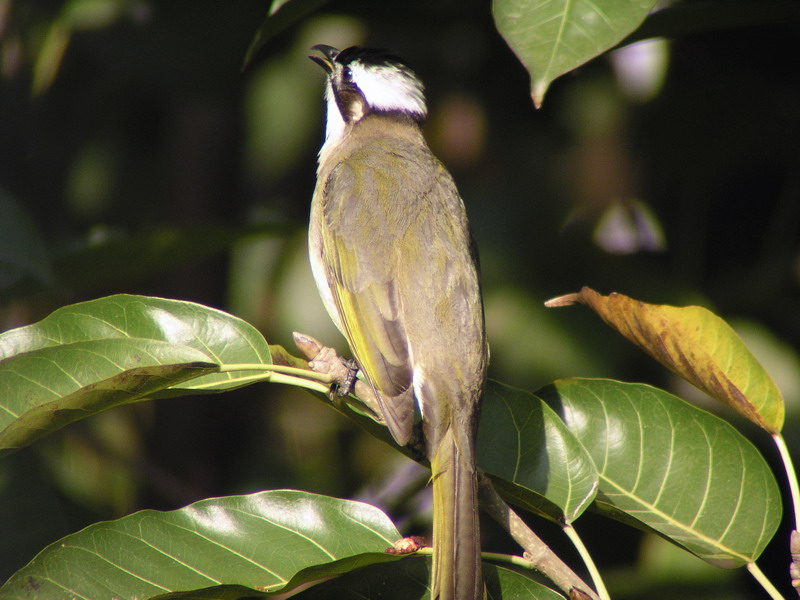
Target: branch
537 552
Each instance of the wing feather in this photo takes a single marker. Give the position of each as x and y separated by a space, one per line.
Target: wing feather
393 232
362 257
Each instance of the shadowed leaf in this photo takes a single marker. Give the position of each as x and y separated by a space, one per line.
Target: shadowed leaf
685 18
22 249
282 14
533 458
409 579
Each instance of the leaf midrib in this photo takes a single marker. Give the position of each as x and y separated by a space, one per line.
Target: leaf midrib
678 524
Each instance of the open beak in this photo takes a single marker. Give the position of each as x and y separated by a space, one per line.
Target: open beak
329 55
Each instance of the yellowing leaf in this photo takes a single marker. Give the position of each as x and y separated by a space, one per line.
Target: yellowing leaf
697 345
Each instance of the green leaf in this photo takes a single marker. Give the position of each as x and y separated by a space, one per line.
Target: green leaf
222 338
535 462
282 14
552 37
671 467
92 356
697 345
534 459
233 547
408 579
46 389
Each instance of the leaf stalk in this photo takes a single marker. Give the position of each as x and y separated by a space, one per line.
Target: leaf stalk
791 476
765 583
594 573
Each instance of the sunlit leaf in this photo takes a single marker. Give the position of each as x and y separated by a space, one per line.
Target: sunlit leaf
233 547
46 389
409 579
672 467
89 357
221 337
552 37
697 345
534 459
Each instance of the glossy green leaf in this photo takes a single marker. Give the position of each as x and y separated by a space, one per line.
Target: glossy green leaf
552 37
222 338
89 357
46 389
408 579
697 345
533 458
671 467
233 547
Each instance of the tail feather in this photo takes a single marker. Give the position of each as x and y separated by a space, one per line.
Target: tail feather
457 571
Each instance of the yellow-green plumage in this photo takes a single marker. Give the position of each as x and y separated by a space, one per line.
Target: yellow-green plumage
391 252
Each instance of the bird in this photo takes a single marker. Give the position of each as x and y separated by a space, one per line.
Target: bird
396 266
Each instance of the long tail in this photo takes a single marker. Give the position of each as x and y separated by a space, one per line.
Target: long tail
456 537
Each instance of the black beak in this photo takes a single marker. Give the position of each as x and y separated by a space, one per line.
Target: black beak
329 55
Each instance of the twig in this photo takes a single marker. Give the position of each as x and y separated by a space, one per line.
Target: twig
537 552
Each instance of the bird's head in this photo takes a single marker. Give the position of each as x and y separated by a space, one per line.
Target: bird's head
363 81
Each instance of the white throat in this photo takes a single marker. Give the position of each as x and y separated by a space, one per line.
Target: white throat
385 89
334 123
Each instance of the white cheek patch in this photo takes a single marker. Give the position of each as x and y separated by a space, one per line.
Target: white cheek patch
389 89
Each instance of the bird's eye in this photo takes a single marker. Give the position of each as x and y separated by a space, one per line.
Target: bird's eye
347 75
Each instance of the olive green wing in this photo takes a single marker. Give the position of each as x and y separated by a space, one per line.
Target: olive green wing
362 229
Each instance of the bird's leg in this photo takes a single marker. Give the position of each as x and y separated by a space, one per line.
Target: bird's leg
346 384
323 359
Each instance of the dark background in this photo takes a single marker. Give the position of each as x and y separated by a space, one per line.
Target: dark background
149 162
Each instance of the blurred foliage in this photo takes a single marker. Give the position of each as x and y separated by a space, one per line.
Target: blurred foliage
137 156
